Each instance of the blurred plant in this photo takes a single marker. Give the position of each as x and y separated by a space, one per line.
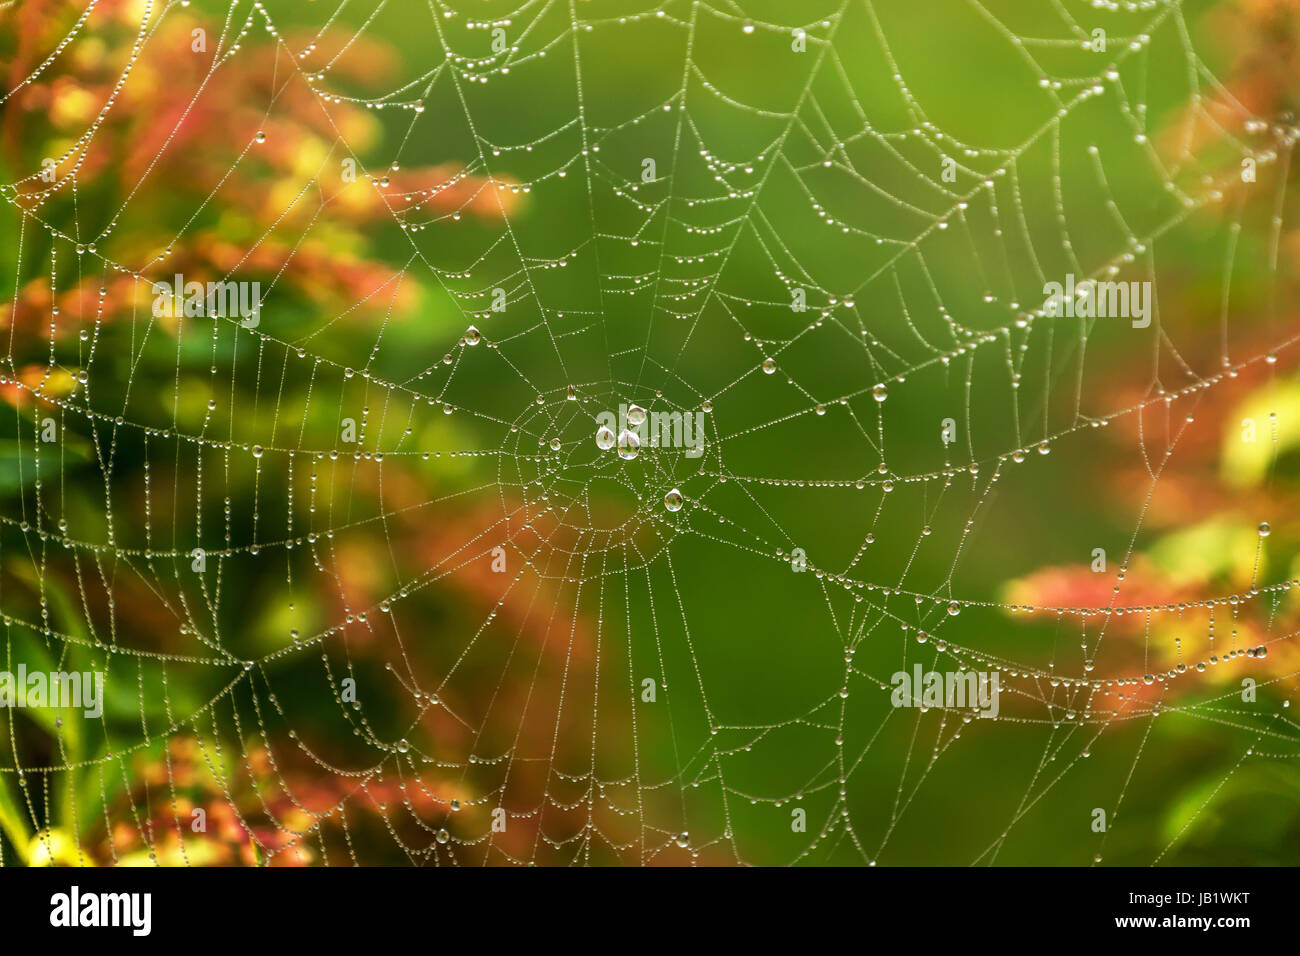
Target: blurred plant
204 165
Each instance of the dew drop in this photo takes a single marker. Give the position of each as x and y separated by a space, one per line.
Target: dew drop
629 445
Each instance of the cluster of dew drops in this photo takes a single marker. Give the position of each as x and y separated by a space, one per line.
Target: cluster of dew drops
628 443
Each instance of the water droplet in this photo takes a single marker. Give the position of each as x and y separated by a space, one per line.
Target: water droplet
635 415
1264 529
769 366
629 445
261 137
954 608
257 451
403 746
673 500
880 393
472 336
443 836
604 438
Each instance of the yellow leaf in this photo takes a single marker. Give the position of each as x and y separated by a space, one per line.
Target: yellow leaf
1246 462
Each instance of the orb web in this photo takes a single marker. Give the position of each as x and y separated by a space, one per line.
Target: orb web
384 572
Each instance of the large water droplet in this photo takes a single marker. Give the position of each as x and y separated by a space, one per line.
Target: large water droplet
635 415
880 393
472 336
673 500
769 366
629 445
604 438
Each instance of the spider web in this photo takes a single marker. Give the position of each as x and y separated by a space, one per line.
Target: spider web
363 585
